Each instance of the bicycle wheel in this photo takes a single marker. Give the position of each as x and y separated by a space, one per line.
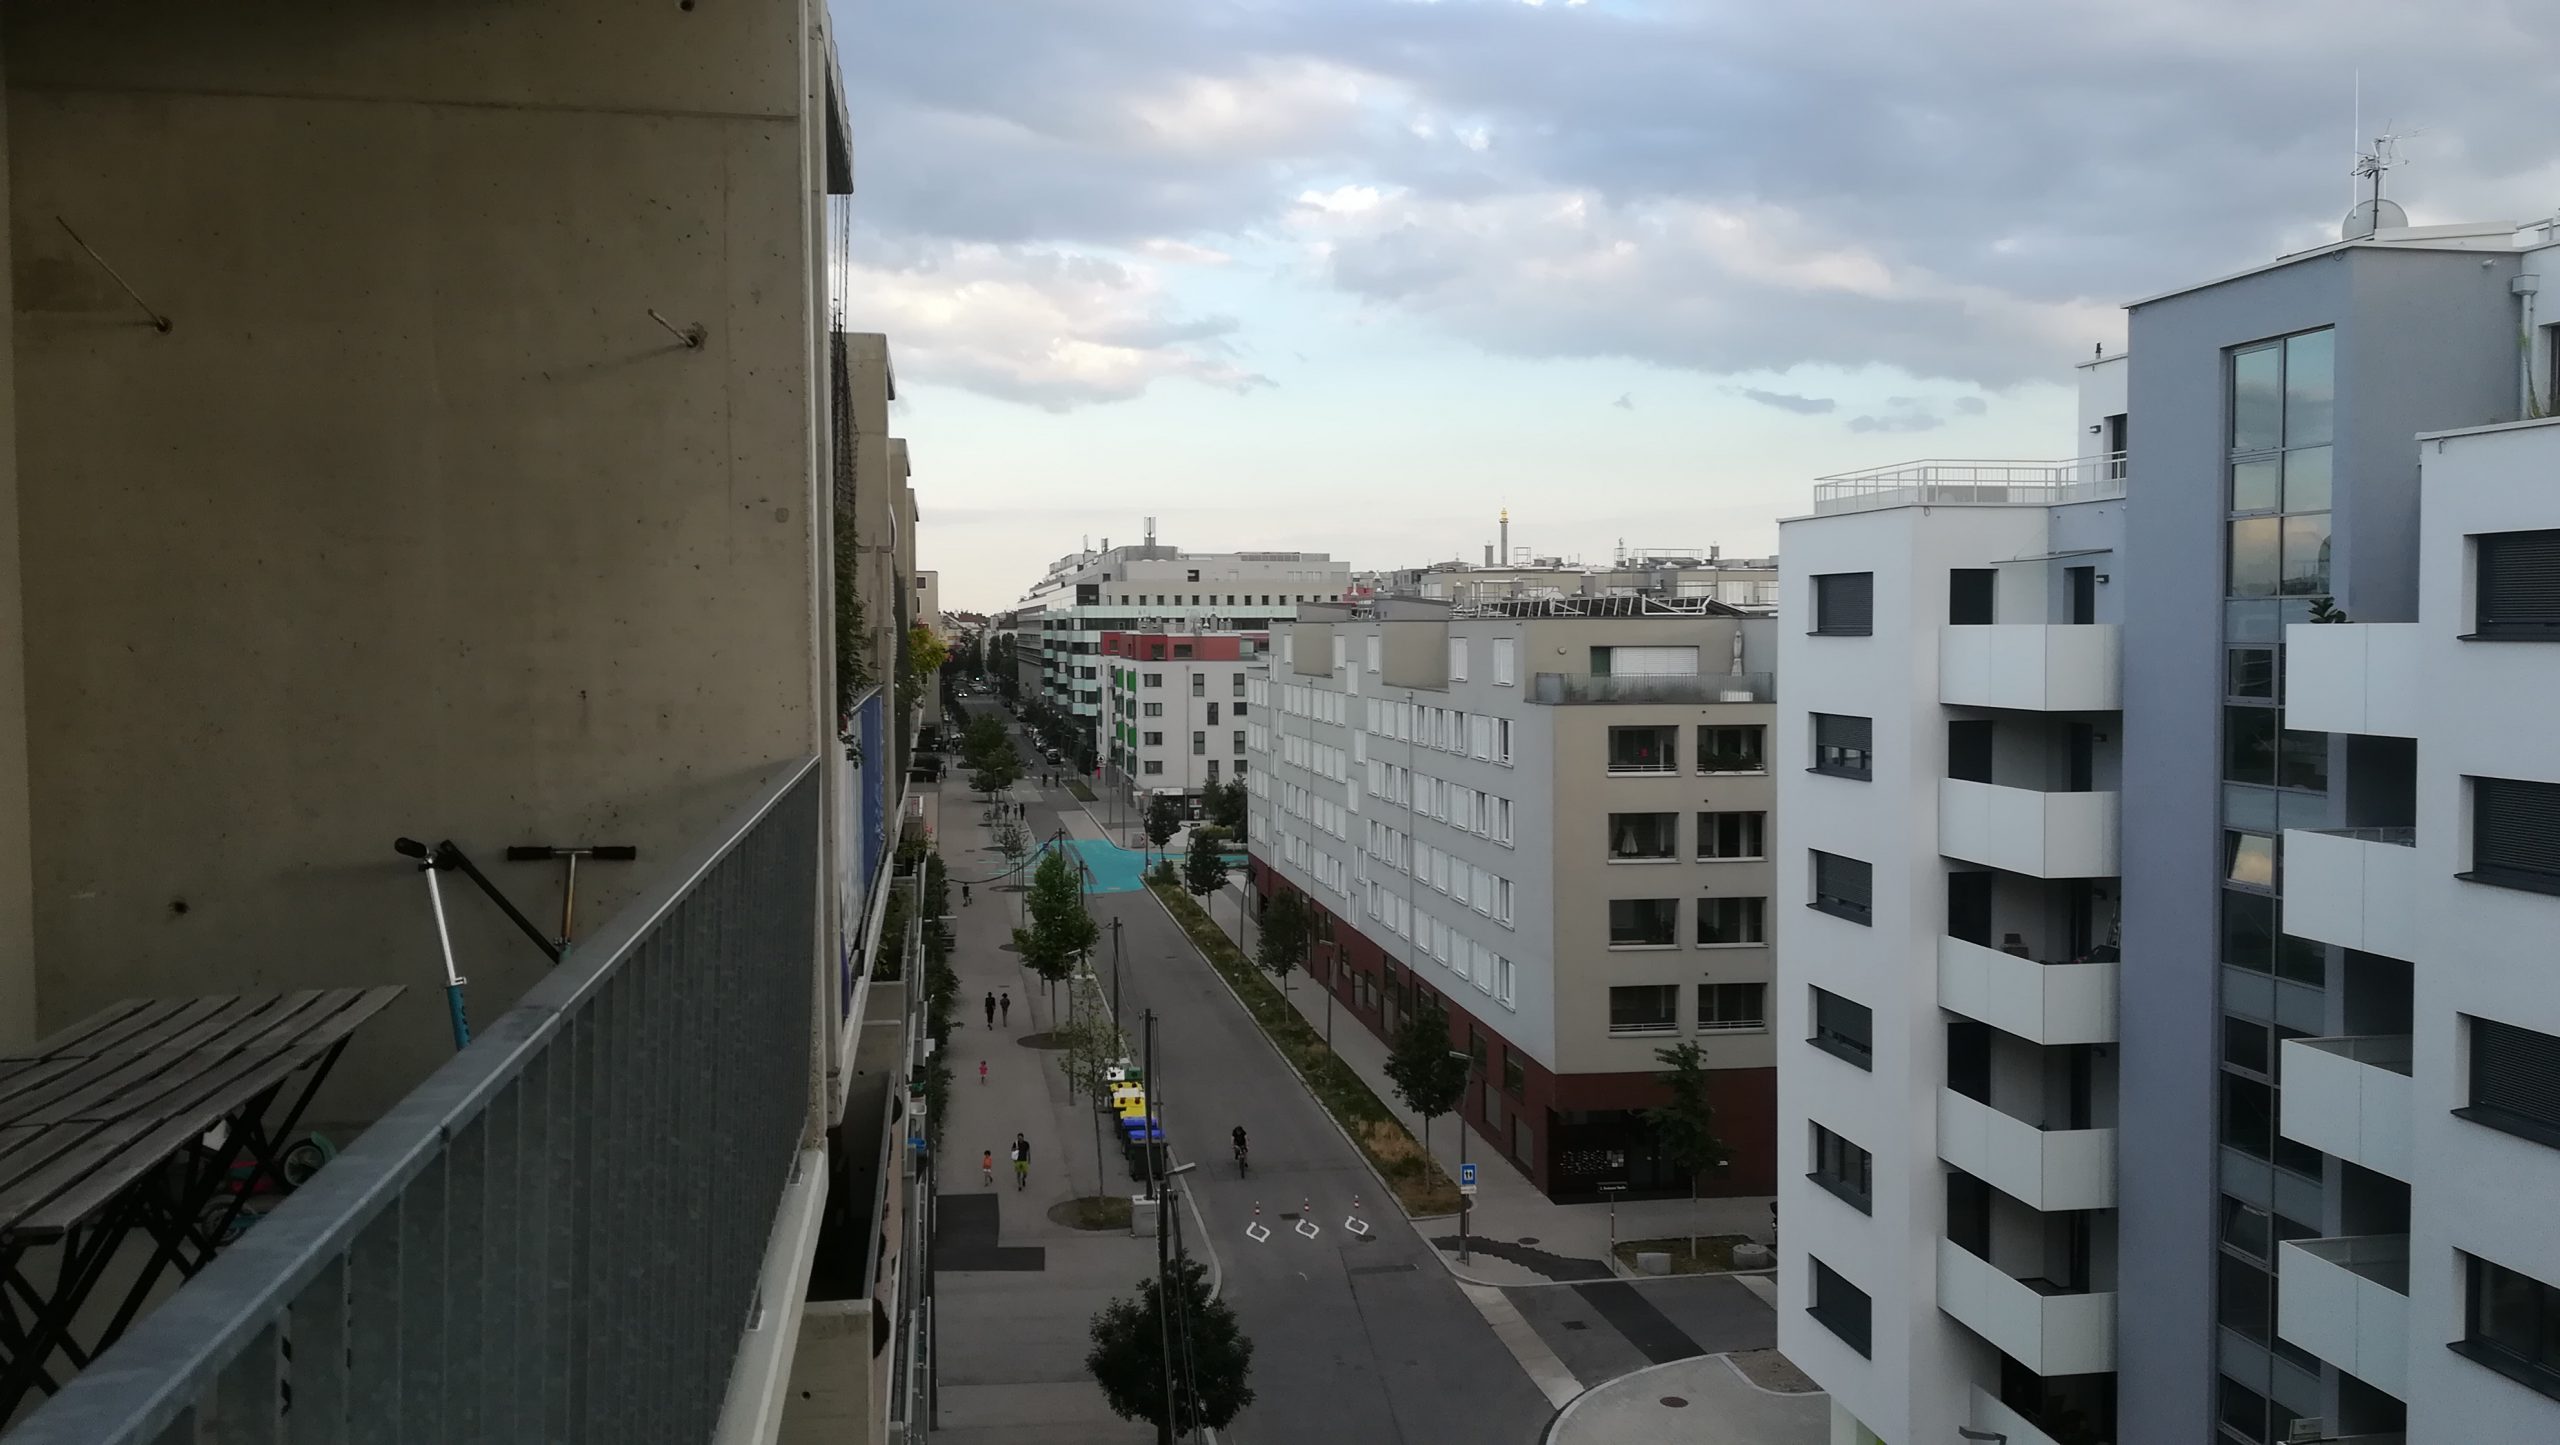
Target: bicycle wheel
304 1158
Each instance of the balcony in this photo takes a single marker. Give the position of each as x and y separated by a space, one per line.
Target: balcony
2045 1003
663 1064
2359 677
2032 667
2351 1097
1948 482
2048 1169
2347 1301
2024 830
1992 1417
1554 689
2355 887
2042 1326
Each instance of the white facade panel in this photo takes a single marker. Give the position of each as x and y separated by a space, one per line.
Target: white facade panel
2047 1168
2026 830
2048 1003
2337 1298
2354 891
2051 1334
2350 1097
2358 677
2032 666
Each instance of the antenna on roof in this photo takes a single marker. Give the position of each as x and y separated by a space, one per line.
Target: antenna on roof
2374 213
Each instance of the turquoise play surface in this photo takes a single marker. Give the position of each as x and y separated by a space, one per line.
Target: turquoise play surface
1115 869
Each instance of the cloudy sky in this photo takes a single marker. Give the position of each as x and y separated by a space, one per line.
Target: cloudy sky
1353 274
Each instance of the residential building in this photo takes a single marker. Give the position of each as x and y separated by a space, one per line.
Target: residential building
2269 478
465 463
1174 710
928 613
1555 819
1133 589
1950 761
1750 583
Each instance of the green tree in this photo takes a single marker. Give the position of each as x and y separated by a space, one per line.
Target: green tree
1094 1045
1163 819
1061 932
1427 1076
1684 1125
926 653
1225 805
1204 872
1212 1364
1287 932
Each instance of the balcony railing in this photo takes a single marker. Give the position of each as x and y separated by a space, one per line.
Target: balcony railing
2406 837
559 1234
1941 481
1566 688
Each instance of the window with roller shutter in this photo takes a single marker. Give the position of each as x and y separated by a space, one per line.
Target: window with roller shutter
1844 604
2515 1081
2518 593
2515 834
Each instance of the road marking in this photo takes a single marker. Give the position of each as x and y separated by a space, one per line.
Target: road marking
1761 1285
1517 1335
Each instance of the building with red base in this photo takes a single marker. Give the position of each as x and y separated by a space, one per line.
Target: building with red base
1553 818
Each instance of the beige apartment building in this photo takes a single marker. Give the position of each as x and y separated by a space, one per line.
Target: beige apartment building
1555 817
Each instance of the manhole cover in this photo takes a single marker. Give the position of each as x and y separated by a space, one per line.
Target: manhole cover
1675 1402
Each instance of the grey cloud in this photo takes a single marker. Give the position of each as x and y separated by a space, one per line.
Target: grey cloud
1897 421
1626 401
1971 405
2010 192
1789 401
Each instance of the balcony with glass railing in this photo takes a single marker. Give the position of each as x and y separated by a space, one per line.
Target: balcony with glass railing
2346 1300
1950 481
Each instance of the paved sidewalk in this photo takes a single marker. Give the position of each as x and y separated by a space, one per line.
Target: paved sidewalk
1701 1401
1517 1235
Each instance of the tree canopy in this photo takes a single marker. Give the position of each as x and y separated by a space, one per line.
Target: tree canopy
1204 868
1427 1076
1287 933
1163 819
1060 930
1212 1358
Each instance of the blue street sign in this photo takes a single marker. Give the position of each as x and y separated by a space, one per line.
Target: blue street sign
1467 1175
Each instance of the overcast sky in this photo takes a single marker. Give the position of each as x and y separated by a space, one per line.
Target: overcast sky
1351 275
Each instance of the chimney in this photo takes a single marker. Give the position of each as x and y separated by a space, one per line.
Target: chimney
1506 536
1488 554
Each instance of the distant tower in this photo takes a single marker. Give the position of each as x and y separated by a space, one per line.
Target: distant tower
1151 531
1506 536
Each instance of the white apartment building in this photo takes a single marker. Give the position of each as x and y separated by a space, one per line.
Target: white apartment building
1949 763
1130 589
1174 710
2439 1283
1555 819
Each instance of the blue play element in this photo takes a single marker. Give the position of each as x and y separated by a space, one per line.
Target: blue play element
1120 870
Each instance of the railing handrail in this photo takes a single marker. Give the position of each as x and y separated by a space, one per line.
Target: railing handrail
2404 836
1984 469
177 1351
1559 688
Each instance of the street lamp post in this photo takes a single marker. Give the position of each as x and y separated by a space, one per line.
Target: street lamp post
1466 1202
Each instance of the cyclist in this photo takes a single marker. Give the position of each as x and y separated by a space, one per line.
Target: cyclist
1240 1149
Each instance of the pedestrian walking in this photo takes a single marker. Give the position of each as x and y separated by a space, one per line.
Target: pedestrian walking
1005 1002
991 1008
964 895
987 1167
1021 1163
982 1073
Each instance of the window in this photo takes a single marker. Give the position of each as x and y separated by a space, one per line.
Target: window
1969 593
1199 744
1635 836
1240 747
1152 709
2252 674
1151 679
1644 750
1839 1306
1153 740
1212 775
1213 712
1182 649
1370 646
1644 1008
1727 836
1151 767
1724 749
1502 740
1844 604
1843 887
2518 590
1733 1007
1843 746
1843 1168
1726 922
2515 1081
1515 1073
2515 834
1457 659
1644 923
1506 661
1843 1028
2511 1324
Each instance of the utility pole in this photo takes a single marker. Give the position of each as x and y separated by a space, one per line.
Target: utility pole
1115 971
1164 1262
1466 1202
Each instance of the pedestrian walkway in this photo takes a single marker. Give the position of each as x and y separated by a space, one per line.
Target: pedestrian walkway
1516 1235
1708 1400
1014 1290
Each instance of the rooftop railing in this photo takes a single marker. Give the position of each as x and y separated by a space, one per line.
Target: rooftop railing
1941 481
1555 688
558 1235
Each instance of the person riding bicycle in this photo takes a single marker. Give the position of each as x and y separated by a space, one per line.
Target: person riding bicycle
1239 1138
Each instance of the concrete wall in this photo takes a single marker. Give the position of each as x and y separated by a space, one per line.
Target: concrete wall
414 522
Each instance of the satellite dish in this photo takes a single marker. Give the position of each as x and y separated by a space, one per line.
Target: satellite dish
2370 216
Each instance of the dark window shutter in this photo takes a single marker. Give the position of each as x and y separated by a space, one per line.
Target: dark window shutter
1844 604
2515 826
2515 1070
1839 730
2519 578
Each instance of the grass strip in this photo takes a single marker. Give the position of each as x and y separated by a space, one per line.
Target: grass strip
1421 1185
